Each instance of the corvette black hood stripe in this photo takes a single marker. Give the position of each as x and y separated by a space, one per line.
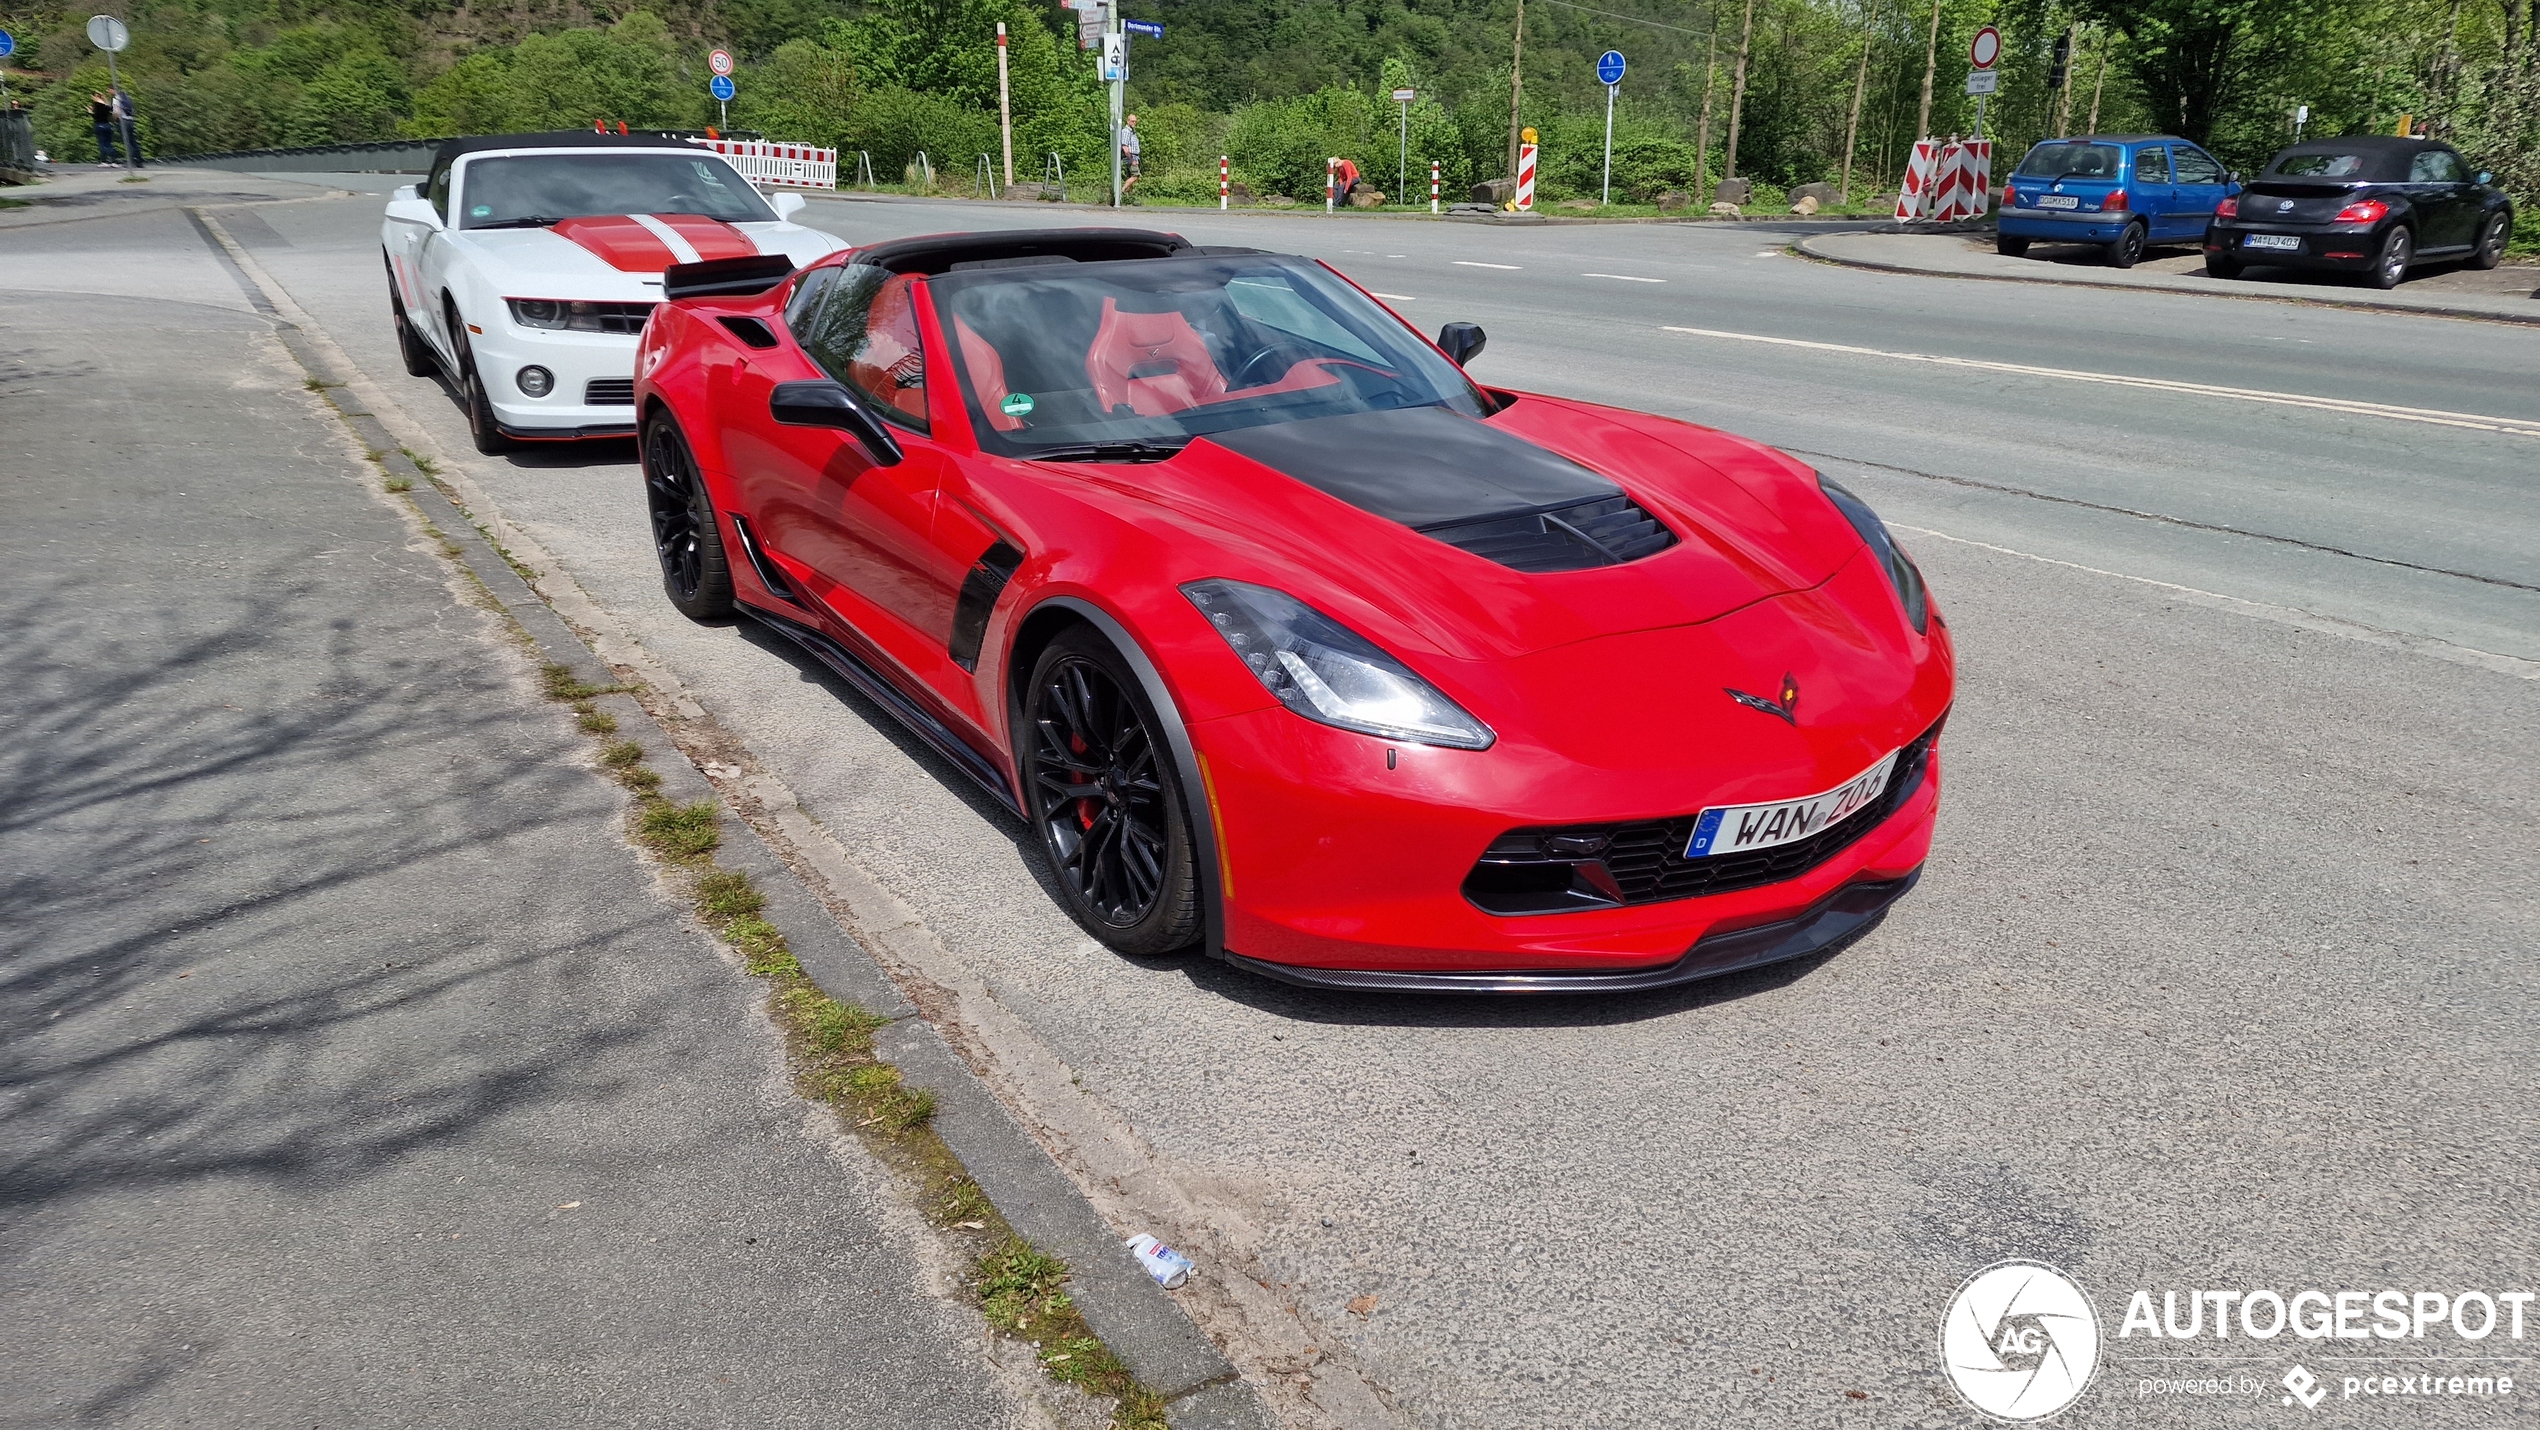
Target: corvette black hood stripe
1422 466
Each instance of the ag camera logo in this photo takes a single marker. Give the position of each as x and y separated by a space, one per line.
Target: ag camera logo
2020 1341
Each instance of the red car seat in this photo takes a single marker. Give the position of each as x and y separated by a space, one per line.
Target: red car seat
1154 363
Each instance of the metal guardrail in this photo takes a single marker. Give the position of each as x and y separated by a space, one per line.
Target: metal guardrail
382 156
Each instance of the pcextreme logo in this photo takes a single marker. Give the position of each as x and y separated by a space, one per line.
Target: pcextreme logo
2020 1341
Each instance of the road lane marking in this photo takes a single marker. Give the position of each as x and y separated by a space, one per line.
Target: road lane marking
1468 263
1392 297
1622 278
2513 426
2434 646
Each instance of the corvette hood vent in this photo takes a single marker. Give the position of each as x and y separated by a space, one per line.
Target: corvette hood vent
1462 482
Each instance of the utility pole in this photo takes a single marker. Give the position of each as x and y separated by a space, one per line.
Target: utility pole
1860 87
1516 82
1005 108
1702 139
1115 34
1737 94
1931 59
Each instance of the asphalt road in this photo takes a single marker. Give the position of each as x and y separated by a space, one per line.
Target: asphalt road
2220 974
353 1068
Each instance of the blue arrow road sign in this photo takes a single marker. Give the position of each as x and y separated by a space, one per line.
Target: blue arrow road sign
723 87
8 45
1144 29
1609 67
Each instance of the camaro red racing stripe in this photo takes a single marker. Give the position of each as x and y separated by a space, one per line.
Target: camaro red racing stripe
649 243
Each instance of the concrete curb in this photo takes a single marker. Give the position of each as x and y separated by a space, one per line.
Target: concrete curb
1137 1318
1806 249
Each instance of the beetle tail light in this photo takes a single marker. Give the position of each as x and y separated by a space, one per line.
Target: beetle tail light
2114 203
2363 211
2228 208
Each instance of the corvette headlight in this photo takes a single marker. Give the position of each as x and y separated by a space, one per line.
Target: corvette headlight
1329 673
1901 571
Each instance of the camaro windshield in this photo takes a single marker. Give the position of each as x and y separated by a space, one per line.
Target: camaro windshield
2070 161
581 184
1145 354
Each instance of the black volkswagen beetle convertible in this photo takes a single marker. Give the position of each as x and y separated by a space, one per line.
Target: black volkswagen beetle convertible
2369 204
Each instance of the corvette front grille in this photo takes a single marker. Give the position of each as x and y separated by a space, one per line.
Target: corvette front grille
1605 532
609 392
1557 869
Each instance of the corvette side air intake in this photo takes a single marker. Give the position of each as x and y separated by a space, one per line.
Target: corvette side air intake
725 277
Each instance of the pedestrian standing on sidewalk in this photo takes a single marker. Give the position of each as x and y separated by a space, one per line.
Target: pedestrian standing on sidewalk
1129 149
123 120
101 122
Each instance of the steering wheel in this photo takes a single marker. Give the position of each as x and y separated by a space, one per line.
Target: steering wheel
1244 376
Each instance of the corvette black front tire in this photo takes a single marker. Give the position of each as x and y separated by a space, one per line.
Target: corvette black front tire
687 534
1104 795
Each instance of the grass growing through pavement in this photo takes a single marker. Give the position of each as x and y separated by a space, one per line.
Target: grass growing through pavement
829 1045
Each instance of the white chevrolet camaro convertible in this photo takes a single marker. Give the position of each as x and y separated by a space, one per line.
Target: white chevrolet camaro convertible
525 265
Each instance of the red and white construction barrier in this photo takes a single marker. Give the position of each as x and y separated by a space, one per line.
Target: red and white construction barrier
784 166
1221 181
1525 178
1331 177
1433 186
1945 182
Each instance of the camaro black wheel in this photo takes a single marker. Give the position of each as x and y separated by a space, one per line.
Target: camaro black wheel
1104 797
2392 264
2491 242
410 344
2008 246
2128 247
686 534
481 424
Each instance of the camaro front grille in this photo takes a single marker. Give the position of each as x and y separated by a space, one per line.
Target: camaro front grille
1556 869
1605 532
609 392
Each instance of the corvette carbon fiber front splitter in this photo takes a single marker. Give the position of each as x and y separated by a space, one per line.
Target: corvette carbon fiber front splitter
1836 920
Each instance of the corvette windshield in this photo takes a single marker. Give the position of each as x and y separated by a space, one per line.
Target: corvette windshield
1133 358
535 188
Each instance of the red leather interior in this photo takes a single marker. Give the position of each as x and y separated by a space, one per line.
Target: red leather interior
1152 362
987 375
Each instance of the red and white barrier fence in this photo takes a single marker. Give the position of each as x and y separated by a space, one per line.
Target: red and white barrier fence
1945 182
1525 178
784 166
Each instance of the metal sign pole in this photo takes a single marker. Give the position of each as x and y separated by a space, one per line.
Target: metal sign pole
1402 156
1119 98
1608 196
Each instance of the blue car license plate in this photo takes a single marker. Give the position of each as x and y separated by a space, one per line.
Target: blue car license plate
2059 201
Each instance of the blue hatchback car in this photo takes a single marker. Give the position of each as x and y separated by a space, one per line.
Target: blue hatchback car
2123 192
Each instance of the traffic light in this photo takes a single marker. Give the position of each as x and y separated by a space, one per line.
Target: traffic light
2063 61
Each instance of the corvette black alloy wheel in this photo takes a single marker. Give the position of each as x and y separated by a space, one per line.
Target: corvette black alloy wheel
1105 800
685 534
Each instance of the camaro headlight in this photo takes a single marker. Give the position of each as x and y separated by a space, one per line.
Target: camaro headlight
1329 673
578 317
1901 571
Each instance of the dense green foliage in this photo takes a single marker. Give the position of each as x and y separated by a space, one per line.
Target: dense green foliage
1281 84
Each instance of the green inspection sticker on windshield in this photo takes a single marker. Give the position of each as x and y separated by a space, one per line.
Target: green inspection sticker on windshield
1017 404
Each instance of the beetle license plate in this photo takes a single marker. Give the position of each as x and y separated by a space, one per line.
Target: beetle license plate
2059 201
1743 828
2285 241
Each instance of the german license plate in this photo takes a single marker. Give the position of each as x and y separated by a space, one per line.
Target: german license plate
1743 828
2286 241
2059 201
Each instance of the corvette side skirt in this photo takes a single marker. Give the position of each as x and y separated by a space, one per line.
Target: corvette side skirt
876 687
1837 919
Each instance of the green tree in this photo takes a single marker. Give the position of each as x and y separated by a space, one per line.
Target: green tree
361 96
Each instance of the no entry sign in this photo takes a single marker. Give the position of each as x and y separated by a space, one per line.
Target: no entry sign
1985 48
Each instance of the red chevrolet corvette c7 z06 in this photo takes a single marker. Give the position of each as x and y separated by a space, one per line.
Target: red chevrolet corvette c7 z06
1289 639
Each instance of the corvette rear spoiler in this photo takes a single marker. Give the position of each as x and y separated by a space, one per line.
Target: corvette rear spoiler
725 277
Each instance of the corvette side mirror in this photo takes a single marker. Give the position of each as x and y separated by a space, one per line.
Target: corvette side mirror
1462 342
786 205
824 403
414 211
